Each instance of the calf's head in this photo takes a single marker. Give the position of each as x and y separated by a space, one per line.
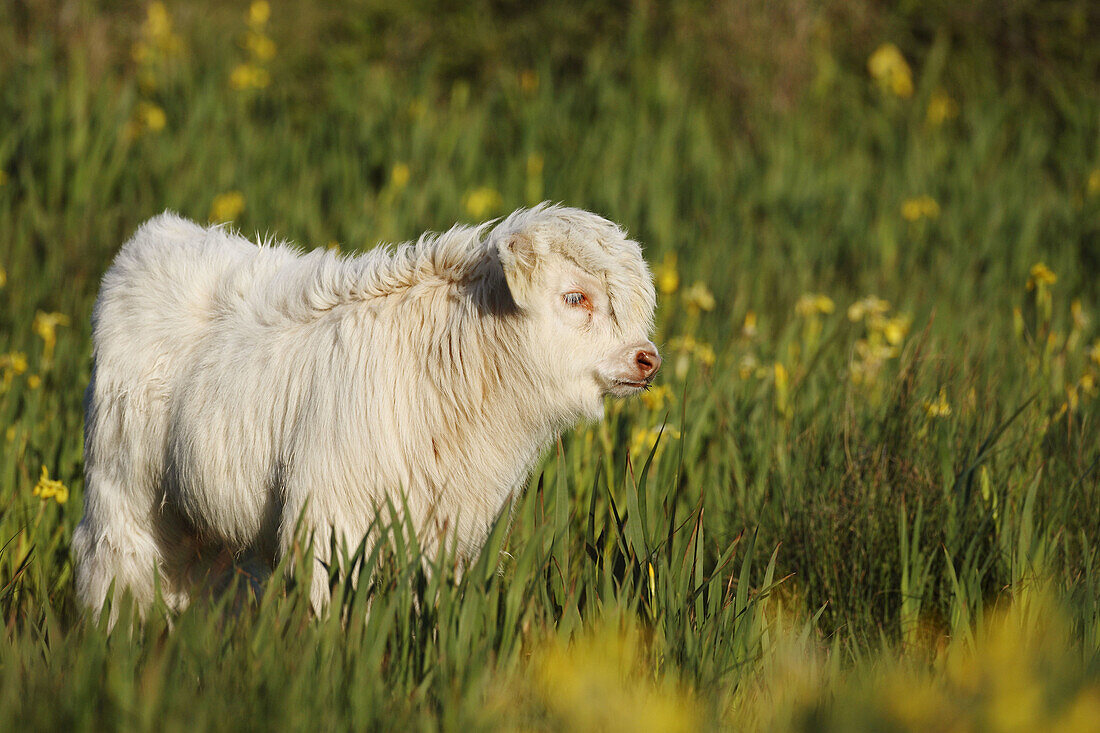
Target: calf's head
586 299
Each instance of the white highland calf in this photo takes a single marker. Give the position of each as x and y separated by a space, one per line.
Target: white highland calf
238 387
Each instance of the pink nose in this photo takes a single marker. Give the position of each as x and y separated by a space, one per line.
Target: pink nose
648 362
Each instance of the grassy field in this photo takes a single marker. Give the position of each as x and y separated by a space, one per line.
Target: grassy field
875 497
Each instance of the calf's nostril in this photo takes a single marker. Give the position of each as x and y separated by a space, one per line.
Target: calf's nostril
648 361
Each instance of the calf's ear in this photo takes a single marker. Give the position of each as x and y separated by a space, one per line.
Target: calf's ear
519 259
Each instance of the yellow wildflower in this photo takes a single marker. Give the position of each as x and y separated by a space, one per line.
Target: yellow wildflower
911 210
482 201
1094 182
14 362
227 206
871 305
48 488
1040 275
895 329
1093 352
154 47
258 13
813 304
668 277
157 21
249 76
34 381
941 107
748 328
782 388
141 53
529 80
3 277
399 175
705 353
45 325
921 207
656 397
889 68
260 46
685 344
1017 321
147 117
1072 398
873 352
643 440
602 679
157 36
689 347
699 298
535 163
1080 318
241 76
151 116
939 407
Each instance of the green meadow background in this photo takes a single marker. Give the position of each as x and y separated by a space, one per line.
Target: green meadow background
865 493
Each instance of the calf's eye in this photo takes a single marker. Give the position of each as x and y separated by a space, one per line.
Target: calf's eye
576 298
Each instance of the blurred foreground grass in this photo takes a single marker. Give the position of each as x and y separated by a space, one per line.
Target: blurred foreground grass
865 492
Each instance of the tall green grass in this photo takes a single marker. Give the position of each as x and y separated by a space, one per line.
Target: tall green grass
796 540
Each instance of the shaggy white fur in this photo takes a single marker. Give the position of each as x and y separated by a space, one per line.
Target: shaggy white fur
237 387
